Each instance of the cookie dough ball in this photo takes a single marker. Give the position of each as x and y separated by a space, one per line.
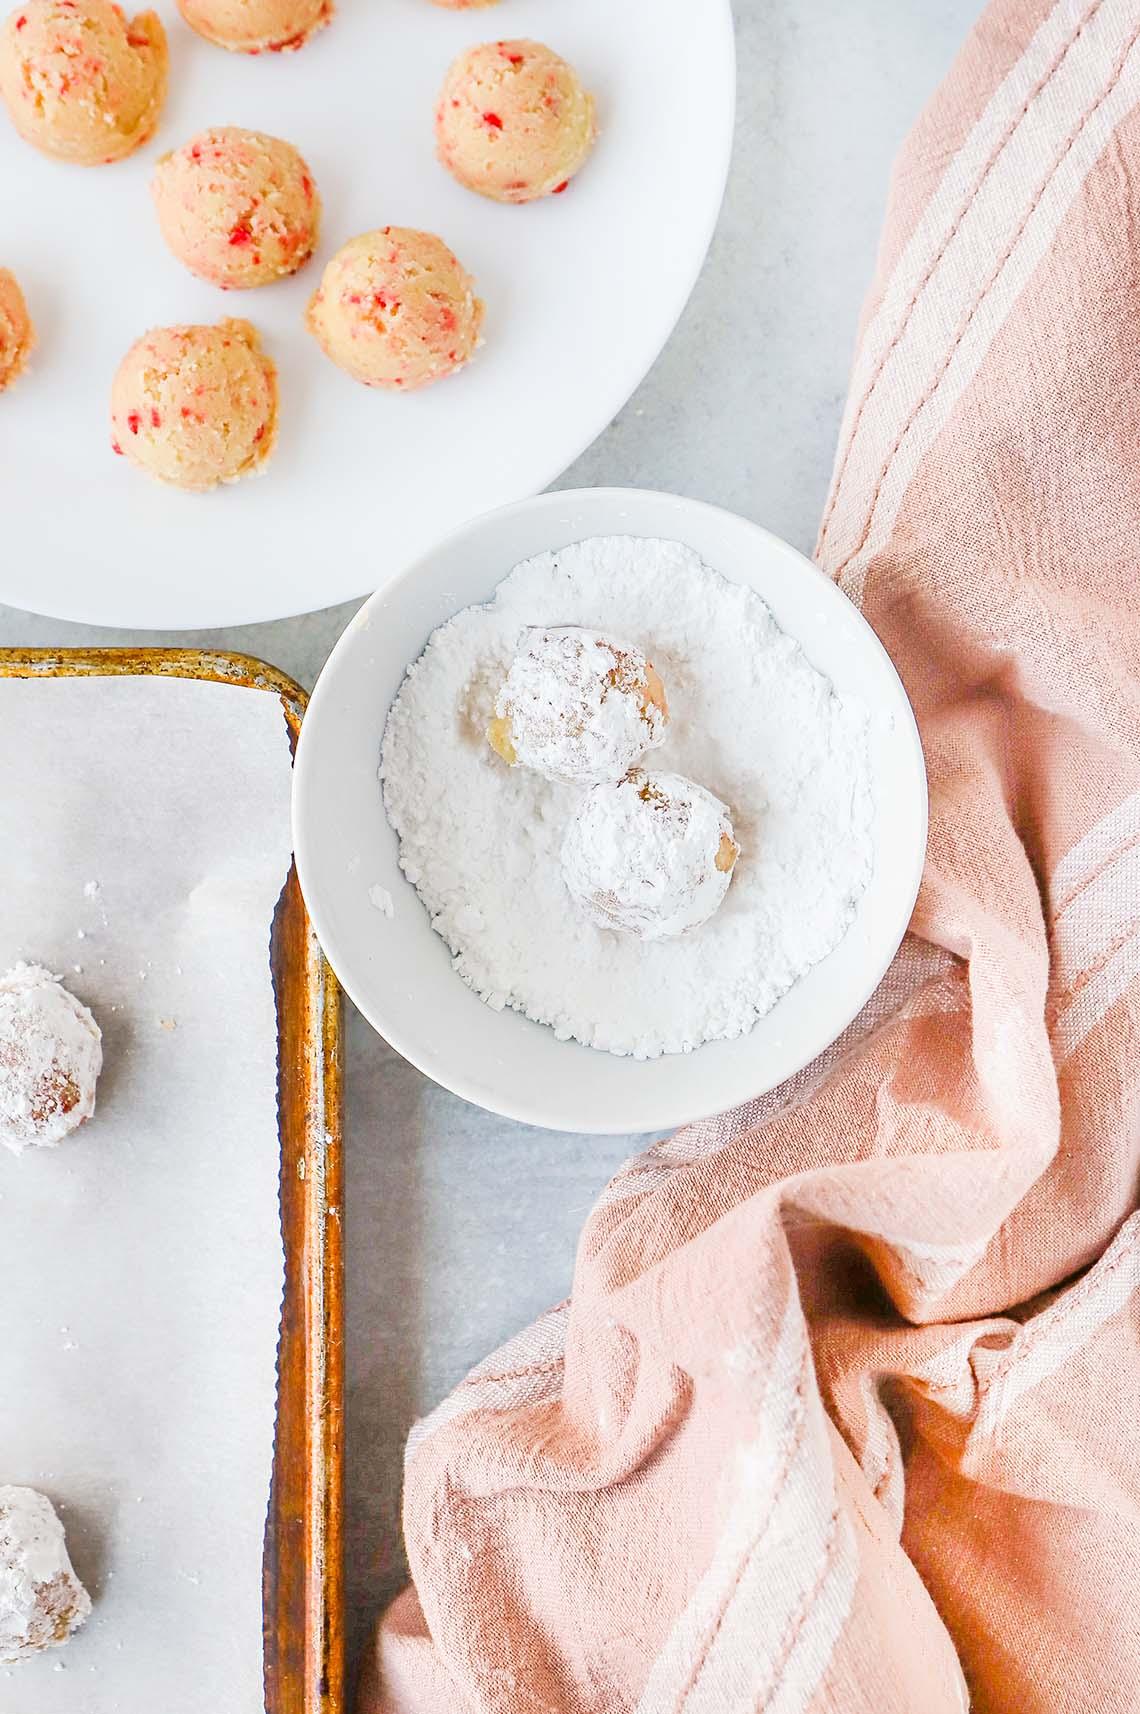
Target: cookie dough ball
237 207
196 406
463 5
257 26
651 856
513 122
578 706
51 1055
396 309
17 336
79 81
41 1599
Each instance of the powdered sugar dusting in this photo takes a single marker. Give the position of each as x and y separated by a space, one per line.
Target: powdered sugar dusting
752 721
577 706
640 855
41 1599
50 1059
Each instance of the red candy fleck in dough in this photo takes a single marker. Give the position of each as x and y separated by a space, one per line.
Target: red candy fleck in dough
513 122
79 82
238 208
396 309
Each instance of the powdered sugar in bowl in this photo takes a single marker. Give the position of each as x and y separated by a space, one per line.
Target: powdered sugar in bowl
824 786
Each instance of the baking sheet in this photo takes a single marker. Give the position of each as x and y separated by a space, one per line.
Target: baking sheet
144 840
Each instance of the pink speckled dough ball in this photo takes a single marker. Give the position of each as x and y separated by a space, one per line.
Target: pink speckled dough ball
79 81
17 336
396 309
257 26
513 122
196 406
237 208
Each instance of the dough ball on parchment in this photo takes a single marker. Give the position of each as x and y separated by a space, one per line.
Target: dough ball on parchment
51 1055
41 1599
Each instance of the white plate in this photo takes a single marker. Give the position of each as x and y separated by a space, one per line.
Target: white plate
582 291
397 969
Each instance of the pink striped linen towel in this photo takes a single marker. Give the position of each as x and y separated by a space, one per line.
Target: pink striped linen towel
844 1412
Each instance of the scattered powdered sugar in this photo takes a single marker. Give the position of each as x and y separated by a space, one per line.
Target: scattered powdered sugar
751 720
381 900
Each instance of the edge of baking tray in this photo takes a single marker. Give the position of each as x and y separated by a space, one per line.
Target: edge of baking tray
303 1599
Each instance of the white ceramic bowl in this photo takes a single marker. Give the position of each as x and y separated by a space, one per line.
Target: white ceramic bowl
398 971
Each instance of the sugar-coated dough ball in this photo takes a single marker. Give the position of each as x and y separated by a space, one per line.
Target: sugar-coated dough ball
257 26
17 336
195 406
651 855
80 81
464 5
396 309
513 122
41 1599
51 1055
237 207
578 706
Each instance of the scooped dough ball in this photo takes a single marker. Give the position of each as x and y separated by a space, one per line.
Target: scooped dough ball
578 706
195 406
17 336
513 122
257 26
41 1599
237 207
51 1055
464 5
396 309
651 856
79 81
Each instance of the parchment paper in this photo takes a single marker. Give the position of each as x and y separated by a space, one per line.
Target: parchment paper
144 839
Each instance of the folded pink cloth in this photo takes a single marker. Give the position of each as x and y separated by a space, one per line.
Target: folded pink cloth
843 1412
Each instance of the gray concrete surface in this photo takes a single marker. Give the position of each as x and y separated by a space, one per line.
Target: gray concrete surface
461 1227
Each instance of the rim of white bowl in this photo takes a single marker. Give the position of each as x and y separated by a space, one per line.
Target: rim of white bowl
435 1066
